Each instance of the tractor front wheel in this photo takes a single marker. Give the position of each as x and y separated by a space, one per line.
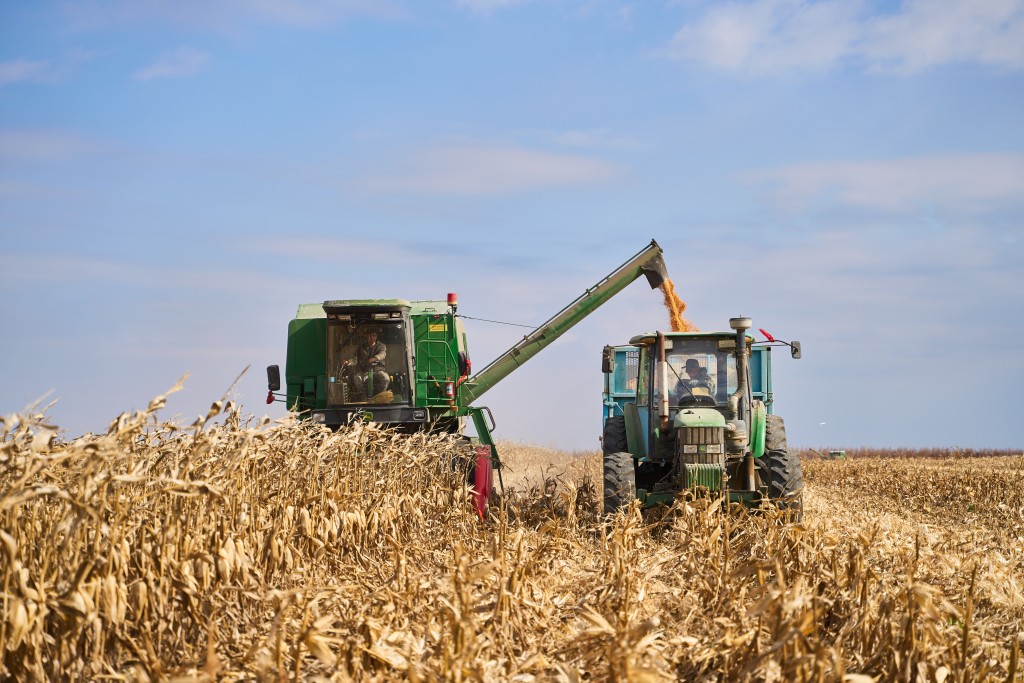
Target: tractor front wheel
614 438
619 481
780 470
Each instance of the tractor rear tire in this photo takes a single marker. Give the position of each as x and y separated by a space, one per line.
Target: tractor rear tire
614 438
619 481
780 470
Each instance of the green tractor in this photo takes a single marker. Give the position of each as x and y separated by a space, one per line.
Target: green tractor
693 411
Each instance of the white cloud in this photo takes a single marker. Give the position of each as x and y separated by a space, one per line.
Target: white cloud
927 34
960 182
183 62
468 169
772 36
23 70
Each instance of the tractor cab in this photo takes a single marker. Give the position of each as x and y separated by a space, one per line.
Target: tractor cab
700 371
690 379
700 417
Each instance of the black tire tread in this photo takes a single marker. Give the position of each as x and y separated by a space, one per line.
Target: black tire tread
614 439
780 470
619 481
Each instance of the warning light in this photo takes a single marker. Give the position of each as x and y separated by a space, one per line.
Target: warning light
453 300
270 397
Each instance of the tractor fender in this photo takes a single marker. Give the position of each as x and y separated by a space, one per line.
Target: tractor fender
758 419
636 441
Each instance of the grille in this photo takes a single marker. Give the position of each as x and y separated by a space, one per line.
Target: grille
701 445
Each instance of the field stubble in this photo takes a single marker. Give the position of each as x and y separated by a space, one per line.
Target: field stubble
229 549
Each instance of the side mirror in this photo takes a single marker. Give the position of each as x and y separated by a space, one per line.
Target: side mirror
795 349
607 360
273 378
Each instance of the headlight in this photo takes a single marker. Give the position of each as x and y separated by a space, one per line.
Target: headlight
319 417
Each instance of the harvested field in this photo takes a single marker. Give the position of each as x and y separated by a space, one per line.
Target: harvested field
233 550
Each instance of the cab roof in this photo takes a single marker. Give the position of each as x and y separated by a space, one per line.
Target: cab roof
648 338
318 310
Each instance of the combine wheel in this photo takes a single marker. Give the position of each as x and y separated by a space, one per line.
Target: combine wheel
780 470
619 481
614 439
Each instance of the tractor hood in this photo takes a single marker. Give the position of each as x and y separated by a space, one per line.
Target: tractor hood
698 417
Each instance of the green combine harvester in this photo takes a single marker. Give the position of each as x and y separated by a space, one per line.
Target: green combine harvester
694 411
406 364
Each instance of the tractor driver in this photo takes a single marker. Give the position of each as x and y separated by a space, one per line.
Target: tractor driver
370 378
697 377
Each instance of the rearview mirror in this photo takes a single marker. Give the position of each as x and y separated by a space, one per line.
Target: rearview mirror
607 360
273 378
795 349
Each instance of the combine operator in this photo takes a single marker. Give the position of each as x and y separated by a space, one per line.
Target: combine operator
369 378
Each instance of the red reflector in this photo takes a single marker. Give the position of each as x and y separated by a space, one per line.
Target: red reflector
483 480
270 397
766 335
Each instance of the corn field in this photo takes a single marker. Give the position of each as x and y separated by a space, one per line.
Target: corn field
234 549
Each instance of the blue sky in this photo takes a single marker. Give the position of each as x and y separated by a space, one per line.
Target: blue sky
175 177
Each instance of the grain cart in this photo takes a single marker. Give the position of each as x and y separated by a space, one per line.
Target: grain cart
423 380
693 410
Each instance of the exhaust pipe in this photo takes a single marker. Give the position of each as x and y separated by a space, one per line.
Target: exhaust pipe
662 383
741 324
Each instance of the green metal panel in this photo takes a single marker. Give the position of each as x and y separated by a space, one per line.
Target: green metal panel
636 435
706 475
757 428
321 390
306 361
436 353
698 417
483 432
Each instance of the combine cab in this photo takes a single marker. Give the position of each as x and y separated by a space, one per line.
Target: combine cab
387 360
693 410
